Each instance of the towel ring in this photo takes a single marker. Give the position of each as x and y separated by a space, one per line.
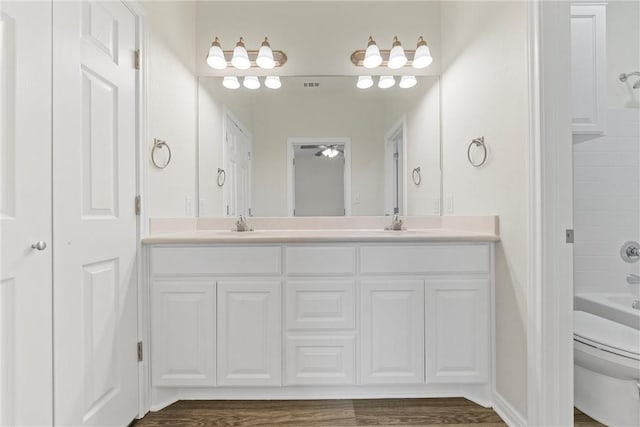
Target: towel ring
222 177
158 145
416 176
478 142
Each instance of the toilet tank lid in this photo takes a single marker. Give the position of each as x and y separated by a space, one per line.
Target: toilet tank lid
606 332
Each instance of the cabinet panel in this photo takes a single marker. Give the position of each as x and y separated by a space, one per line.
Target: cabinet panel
588 68
424 259
320 304
392 328
207 260
249 333
182 333
320 260
458 334
318 359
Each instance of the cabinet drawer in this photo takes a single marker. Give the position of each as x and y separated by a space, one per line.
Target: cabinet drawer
320 260
203 260
318 360
320 304
425 259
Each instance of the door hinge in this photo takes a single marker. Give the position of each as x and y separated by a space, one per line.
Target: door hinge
139 351
569 235
138 205
136 59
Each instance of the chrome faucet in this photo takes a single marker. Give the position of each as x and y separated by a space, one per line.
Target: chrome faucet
241 224
396 223
633 279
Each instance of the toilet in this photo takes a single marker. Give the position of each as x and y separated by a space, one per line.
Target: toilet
606 370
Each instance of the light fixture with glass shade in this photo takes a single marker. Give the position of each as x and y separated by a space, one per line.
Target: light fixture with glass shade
240 58
407 82
272 82
330 152
230 82
265 56
397 58
372 57
386 82
364 82
251 82
216 58
422 57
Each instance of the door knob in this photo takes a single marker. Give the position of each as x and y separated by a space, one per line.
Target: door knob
39 245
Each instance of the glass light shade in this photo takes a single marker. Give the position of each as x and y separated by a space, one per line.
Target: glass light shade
397 58
407 81
240 58
216 58
422 57
251 82
386 82
231 82
273 82
364 82
330 152
265 58
372 57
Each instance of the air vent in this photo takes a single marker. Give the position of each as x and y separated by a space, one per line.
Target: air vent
311 84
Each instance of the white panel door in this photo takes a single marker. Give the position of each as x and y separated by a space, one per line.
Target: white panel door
183 333
25 214
237 165
458 337
392 324
94 171
249 333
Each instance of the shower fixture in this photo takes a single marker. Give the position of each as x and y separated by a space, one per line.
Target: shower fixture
624 76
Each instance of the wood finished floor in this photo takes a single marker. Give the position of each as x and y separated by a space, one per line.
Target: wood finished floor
329 413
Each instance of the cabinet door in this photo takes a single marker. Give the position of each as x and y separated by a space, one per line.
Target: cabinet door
458 337
182 333
392 324
249 333
588 68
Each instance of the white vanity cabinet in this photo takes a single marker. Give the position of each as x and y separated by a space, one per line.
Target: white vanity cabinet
327 319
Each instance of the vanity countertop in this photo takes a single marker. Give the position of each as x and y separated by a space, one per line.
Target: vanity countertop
418 229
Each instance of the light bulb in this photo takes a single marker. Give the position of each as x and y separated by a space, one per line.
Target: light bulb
273 82
364 82
386 82
397 58
216 58
407 81
422 58
240 58
231 82
372 57
265 56
251 82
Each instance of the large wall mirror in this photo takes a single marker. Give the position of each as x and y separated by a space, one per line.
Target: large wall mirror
319 146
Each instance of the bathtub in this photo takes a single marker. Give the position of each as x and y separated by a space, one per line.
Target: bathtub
613 306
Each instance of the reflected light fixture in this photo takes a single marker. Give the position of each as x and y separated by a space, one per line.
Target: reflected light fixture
231 82
364 82
372 57
216 58
272 82
422 57
265 56
407 81
397 58
386 82
240 58
251 82
330 152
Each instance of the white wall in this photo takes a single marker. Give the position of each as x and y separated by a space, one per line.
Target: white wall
319 185
623 52
484 93
606 202
171 105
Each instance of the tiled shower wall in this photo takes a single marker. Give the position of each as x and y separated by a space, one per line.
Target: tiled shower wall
606 173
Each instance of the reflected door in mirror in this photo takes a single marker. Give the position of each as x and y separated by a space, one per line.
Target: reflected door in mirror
237 165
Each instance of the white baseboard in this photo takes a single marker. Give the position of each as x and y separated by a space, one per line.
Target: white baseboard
508 413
